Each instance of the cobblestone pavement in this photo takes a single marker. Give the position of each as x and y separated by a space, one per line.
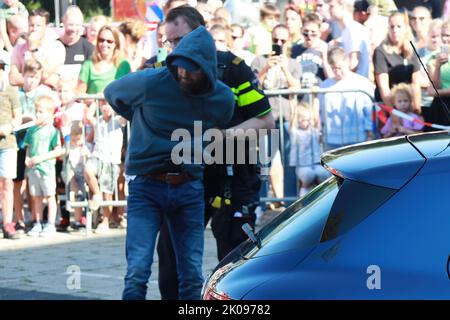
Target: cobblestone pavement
39 268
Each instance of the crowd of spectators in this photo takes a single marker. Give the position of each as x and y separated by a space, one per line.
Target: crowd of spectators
76 146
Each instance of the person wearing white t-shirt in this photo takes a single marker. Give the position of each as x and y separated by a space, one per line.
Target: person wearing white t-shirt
105 160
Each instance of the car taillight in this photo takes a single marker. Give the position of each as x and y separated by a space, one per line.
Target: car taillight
210 294
333 171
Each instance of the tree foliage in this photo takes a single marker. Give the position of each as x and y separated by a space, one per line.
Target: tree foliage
89 7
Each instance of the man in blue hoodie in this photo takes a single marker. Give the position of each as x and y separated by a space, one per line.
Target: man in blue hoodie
251 111
158 102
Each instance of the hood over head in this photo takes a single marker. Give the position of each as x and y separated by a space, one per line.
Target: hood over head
197 48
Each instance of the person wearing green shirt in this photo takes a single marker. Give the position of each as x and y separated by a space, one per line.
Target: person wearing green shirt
43 147
106 64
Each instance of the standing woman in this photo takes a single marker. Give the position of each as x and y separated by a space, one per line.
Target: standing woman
293 18
441 78
134 31
107 63
395 62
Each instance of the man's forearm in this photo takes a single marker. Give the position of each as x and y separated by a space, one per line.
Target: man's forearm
263 122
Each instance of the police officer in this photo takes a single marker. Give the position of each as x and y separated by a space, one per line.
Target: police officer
231 192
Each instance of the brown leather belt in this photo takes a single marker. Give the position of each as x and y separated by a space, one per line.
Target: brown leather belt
172 178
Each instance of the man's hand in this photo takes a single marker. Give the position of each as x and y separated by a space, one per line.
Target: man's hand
271 62
283 63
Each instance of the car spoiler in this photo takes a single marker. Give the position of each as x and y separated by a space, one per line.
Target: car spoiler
389 163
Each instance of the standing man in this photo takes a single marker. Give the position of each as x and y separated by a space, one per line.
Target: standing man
158 102
251 111
49 52
347 116
78 49
354 38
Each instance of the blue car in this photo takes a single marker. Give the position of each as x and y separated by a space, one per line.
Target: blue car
379 228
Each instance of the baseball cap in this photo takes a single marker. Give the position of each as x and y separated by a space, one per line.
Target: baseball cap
186 64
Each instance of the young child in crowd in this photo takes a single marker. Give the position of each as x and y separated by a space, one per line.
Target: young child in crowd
71 111
73 169
305 149
401 97
105 160
28 94
43 147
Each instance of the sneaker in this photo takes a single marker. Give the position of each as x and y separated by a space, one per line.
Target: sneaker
78 225
36 230
48 230
123 223
20 227
9 232
94 203
102 229
64 224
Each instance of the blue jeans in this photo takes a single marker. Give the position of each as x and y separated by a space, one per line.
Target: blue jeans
183 209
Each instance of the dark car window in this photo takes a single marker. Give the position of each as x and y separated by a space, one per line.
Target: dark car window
300 226
354 203
330 210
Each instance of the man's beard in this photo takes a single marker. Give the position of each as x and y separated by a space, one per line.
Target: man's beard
194 86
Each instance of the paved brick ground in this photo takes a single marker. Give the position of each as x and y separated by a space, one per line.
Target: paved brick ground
36 268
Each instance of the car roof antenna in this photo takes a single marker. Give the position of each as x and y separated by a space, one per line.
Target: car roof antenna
443 104
249 232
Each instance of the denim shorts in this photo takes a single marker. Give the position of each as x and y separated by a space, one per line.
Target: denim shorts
8 161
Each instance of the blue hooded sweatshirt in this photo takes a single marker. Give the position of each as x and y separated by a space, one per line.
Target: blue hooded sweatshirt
156 106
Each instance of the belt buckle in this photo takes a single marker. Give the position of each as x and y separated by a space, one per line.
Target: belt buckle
170 175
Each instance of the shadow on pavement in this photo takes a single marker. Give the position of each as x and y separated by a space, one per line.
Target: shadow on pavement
15 294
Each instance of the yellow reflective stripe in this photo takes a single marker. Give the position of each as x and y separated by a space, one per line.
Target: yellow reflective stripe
237 60
263 113
243 86
249 98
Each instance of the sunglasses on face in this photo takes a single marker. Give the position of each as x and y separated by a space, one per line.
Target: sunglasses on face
100 40
308 33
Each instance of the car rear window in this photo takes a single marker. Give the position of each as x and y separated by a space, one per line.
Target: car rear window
300 226
354 203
